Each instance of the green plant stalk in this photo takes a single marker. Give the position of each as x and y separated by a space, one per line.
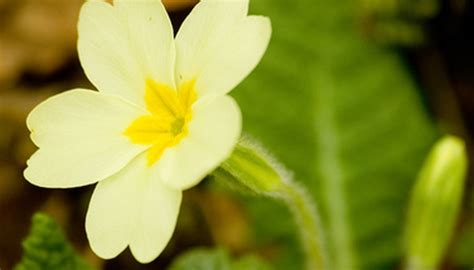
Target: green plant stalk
251 169
304 212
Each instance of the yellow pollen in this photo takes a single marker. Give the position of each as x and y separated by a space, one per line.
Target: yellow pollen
165 126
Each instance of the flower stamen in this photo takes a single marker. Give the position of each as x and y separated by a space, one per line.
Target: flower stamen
165 126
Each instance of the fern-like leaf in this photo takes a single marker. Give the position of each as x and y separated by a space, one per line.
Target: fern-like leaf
46 248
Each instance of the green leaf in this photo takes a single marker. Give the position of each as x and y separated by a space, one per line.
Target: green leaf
46 248
347 118
216 259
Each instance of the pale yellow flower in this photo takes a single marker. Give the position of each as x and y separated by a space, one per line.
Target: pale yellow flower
160 122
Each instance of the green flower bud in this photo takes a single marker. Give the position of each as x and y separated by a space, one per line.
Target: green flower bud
251 167
435 203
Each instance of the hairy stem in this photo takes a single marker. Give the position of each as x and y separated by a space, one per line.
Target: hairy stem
310 230
250 166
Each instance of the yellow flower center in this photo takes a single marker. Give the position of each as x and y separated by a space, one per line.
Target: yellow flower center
170 113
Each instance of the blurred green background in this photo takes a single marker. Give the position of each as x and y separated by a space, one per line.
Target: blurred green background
350 96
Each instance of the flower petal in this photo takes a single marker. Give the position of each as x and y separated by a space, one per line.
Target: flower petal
151 32
132 208
109 217
80 138
219 45
155 220
122 46
213 132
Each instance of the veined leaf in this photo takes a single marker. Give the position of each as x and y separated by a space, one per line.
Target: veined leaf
345 115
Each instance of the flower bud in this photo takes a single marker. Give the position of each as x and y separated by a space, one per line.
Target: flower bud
250 167
435 203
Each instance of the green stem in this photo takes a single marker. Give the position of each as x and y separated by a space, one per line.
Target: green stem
305 214
252 168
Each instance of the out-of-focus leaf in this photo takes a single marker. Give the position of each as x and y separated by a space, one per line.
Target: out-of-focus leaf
201 259
345 115
46 248
250 262
399 22
216 259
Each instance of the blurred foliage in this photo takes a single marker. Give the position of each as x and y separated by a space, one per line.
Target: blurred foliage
46 248
216 259
345 115
397 22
